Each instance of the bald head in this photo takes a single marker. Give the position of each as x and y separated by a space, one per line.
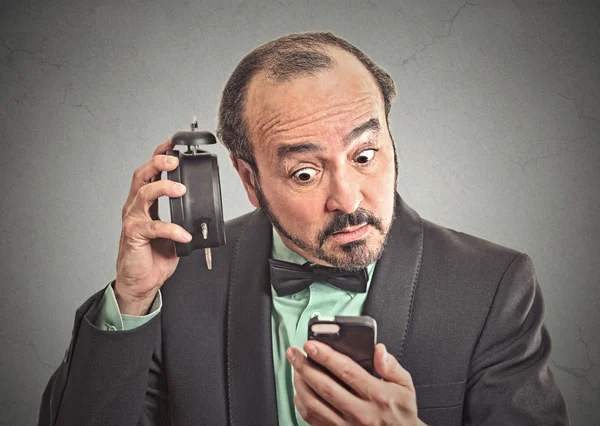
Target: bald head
286 58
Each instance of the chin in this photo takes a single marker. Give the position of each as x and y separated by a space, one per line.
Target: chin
354 255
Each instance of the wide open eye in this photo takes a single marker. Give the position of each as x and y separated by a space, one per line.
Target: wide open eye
305 175
365 156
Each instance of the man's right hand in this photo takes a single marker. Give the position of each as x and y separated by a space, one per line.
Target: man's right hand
147 256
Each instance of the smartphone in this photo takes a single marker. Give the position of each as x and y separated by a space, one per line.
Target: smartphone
354 336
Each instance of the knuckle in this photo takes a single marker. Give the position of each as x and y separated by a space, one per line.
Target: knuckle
407 403
301 407
155 225
348 373
409 412
325 359
364 419
308 417
410 398
143 191
384 399
129 228
310 410
327 391
137 173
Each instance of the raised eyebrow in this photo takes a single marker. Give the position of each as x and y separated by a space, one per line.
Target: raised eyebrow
371 124
285 151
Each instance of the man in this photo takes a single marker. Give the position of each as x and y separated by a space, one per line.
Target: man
305 118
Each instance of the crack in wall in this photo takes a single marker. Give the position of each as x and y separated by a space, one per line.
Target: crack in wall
8 59
12 52
31 346
574 141
582 374
533 160
79 105
579 109
446 34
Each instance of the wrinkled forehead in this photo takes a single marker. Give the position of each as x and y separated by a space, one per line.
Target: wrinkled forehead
326 99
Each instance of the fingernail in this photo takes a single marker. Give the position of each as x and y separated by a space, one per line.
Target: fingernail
180 187
171 160
385 354
311 349
290 355
186 236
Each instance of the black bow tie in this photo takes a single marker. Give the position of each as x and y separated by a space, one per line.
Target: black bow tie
289 278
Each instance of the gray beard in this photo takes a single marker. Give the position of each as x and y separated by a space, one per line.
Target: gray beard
356 255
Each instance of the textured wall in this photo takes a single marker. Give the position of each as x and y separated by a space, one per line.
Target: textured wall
496 123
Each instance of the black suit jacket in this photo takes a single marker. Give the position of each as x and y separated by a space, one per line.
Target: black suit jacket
461 314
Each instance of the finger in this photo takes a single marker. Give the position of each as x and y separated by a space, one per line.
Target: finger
342 366
390 369
170 160
149 193
163 147
150 172
152 229
325 386
312 408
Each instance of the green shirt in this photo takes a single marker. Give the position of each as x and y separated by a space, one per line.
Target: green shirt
289 322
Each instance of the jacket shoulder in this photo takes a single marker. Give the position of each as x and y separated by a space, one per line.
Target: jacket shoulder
234 226
448 243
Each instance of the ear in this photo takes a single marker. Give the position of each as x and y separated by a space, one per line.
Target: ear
247 175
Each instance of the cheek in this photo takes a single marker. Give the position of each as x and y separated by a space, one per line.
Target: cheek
296 211
379 187
380 198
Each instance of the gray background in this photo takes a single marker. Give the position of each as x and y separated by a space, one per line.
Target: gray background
496 123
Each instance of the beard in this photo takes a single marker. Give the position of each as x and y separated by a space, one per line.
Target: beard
352 256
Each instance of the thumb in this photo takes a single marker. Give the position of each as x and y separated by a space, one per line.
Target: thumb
390 369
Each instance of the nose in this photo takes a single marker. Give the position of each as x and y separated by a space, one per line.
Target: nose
345 194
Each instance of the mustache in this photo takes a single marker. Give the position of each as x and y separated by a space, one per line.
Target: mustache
342 220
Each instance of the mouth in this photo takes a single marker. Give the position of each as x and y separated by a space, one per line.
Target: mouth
350 233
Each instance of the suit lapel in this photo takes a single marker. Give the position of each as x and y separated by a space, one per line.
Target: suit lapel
392 289
251 381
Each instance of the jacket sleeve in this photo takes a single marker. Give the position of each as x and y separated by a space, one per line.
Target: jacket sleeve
509 381
107 377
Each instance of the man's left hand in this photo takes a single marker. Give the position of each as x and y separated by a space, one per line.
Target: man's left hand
321 400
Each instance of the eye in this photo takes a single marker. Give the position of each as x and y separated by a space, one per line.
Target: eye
365 156
305 174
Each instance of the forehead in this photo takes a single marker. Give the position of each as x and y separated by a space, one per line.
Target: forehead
332 100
